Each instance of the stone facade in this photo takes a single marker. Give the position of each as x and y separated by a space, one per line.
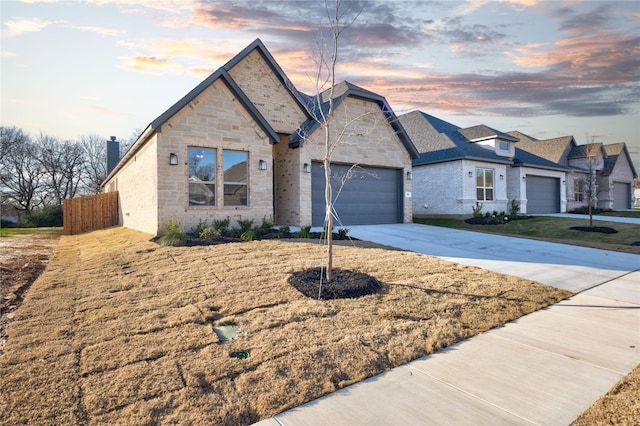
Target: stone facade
367 139
245 106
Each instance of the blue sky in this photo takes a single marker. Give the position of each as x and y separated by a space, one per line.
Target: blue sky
545 68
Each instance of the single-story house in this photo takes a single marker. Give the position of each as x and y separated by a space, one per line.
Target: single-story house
459 169
244 145
612 164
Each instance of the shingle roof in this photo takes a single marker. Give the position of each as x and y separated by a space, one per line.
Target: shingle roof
527 159
613 152
582 151
482 132
521 136
550 149
342 91
440 141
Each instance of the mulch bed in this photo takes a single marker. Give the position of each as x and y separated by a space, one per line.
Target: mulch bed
193 241
492 220
601 229
344 284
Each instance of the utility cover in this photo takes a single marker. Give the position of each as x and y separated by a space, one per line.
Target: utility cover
226 332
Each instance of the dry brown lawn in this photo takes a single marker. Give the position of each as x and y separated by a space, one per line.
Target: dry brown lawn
119 330
620 406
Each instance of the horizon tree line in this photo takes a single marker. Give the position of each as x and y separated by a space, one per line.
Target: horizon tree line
43 170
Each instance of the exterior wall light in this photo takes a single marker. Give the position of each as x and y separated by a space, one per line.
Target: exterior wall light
501 177
409 176
307 167
470 173
262 165
524 178
173 159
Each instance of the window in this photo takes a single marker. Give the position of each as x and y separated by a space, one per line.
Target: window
202 177
504 146
235 178
578 190
484 184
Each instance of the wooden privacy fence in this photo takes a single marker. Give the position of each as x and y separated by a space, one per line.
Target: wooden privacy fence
90 213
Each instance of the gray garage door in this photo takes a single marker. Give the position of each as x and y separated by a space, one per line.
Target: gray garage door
369 195
621 196
543 194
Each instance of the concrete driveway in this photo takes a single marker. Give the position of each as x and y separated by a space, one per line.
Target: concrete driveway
569 267
544 368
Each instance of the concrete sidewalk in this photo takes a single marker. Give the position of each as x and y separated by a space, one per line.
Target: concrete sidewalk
545 368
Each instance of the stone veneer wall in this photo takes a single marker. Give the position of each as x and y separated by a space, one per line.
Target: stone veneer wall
267 93
136 183
368 140
214 120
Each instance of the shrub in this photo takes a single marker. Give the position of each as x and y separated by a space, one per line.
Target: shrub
267 224
342 233
200 228
45 216
221 225
304 232
247 235
477 211
173 235
514 208
245 225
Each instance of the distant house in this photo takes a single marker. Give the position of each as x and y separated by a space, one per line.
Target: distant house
459 168
612 163
243 144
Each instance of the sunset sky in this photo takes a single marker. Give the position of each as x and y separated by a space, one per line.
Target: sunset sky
545 68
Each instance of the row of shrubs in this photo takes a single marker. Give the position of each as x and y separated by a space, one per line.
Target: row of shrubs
48 216
221 231
495 217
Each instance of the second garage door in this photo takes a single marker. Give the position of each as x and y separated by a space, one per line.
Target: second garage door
369 195
543 194
621 196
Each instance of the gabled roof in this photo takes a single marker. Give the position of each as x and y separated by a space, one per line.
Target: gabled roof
613 152
584 151
527 159
441 141
550 149
482 133
258 46
223 75
521 136
342 91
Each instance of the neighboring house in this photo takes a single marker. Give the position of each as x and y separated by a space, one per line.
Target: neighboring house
8 212
243 145
612 164
615 181
460 168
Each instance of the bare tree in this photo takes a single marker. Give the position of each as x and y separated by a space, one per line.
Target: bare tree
591 150
21 175
321 110
62 162
95 165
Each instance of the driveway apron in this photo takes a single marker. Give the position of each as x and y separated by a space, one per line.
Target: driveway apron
544 368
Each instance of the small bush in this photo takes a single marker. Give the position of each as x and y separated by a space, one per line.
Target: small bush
342 233
514 208
221 225
173 235
200 228
247 235
477 211
267 224
245 225
304 232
